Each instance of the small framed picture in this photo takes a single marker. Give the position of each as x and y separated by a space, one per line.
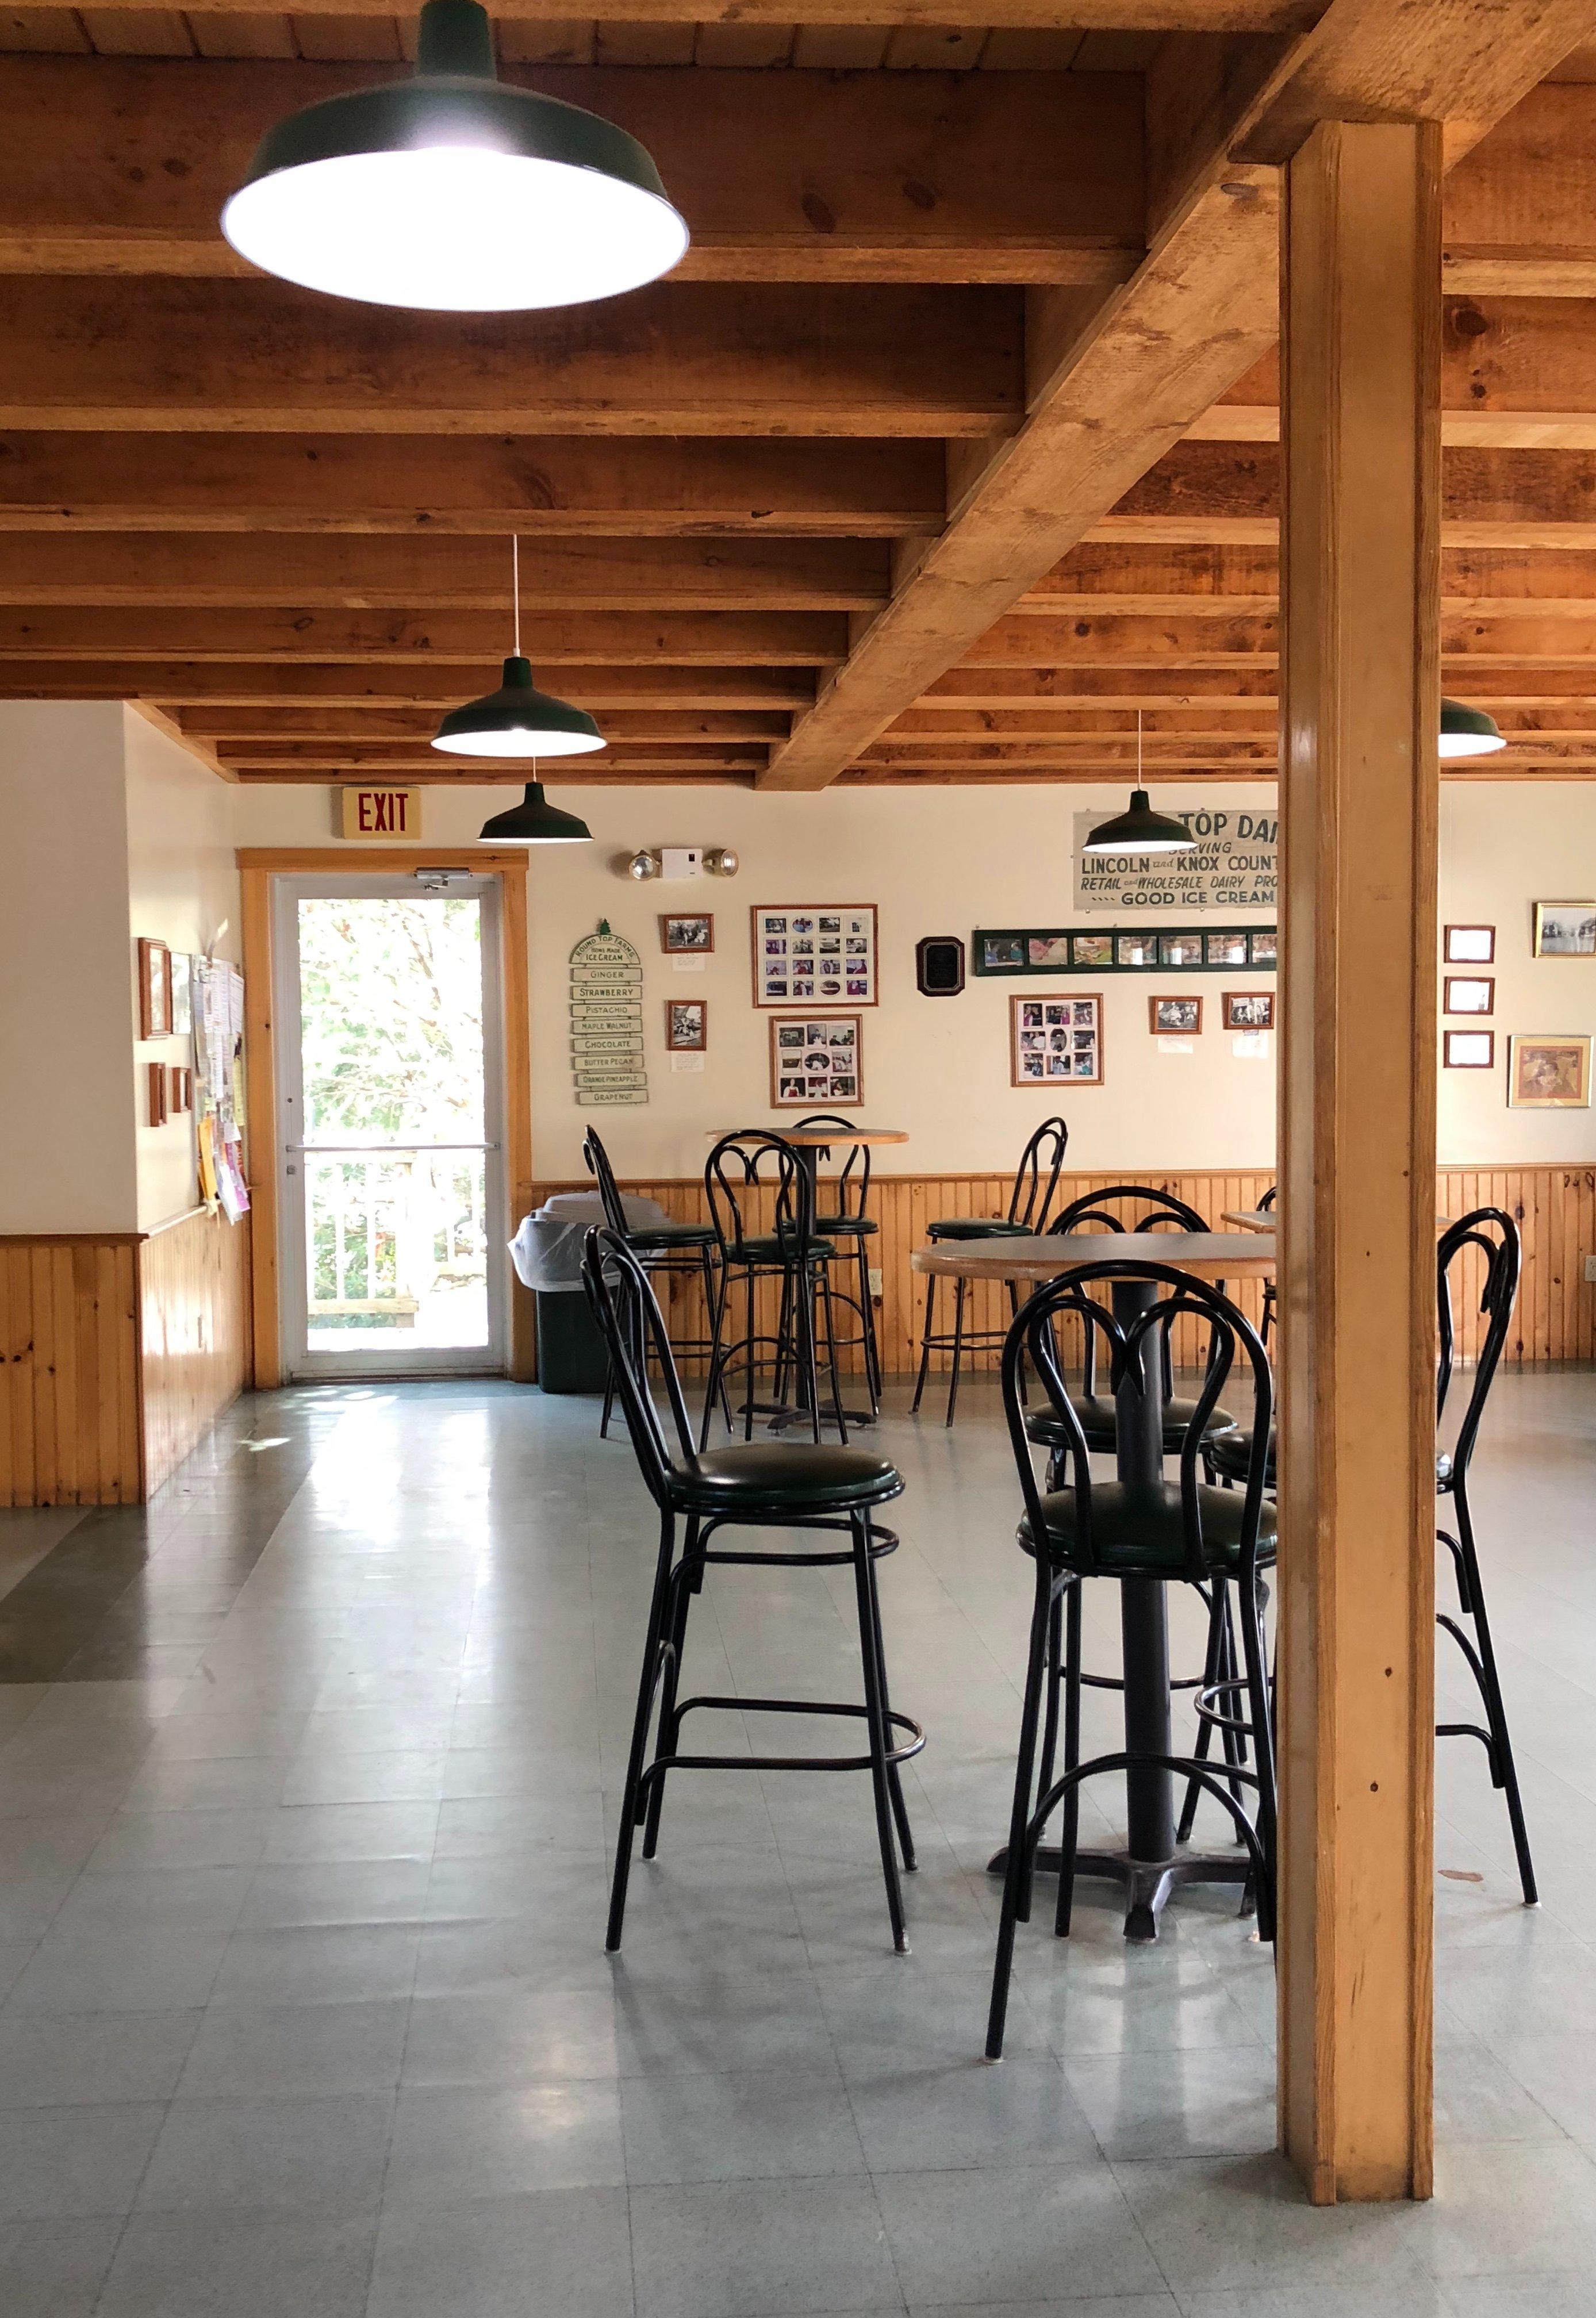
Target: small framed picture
1046 953
156 1074
687 1024
1180 949
1175 1018
1547 1073
1053 1040
1135 949
1469 1050
155 989
1263 946
683 936
1000 953
182 1011
825 951
1566 929
175 1102
1248 1010
1469 993
1226 949
1091 949
1470 945
814 1061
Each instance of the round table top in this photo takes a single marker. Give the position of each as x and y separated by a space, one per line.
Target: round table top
820 1138
1212 1256
1268 1219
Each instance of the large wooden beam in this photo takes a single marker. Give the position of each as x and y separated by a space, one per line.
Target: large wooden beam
541 487
365 725
121 164
691 358
1039 15
279 686
1362 254
288 638
1518 208
461 575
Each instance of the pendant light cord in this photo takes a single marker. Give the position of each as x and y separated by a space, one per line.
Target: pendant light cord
1138 743
516 586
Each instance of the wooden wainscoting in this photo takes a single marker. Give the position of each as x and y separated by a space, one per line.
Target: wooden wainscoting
116 1350
194 1333
1555 1208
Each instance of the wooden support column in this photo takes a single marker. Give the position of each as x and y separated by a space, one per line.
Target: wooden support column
1362 461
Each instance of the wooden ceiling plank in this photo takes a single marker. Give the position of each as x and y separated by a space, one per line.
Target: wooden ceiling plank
43 31
561 40
360 36
473 484
265 685
601 638
137 31
259 357
1143 16
243 35
781 175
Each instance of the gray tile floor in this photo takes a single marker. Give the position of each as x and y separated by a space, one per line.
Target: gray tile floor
302 1900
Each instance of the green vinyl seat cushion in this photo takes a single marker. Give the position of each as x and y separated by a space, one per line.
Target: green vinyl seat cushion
977 1228
770 1247
788 1476
1231 1456
1138 1530
1098 1422
846 1226
665 1239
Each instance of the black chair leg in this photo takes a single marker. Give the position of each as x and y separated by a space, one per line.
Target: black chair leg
1218 1666
609 1401
876 1720
640 1735
1016 1908
920 1382
1050 1712
1504 1767
961 1287
1069 1826
872 1350
685 1581
838 1412
1253 1648
894 1782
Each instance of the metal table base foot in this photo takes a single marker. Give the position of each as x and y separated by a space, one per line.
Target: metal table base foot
1147 1883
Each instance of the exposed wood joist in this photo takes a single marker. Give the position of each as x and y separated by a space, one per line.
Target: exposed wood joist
622 727
258 685
122 166
690 358
231 570
1044 16
539 486
599 638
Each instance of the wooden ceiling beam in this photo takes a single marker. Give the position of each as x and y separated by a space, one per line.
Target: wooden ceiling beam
540 486
681 728
232 571
1038 15
121 164
443 639
257 357
265 685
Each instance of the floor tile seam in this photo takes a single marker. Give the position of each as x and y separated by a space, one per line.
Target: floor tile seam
126 2224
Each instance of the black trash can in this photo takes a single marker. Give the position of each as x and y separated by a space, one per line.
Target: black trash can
570 1355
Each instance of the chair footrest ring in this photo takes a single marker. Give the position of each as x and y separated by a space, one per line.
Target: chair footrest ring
915 1742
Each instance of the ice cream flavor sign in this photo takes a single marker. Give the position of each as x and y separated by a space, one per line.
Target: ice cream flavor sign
1235 866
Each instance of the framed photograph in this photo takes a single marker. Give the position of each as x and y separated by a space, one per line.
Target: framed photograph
1469 1050
1180 949
1263 946
155 989
822 953
1547 1073
1055 1040
1135 949
1248 1010
816 1061
687 1024
1047 953
1091 951
1002 953
686 936
1566 929
1226 949
182 1010
1175 1018
155 1075
1470 945
939 965
1470 994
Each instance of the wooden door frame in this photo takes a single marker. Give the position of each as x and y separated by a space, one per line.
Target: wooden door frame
257 866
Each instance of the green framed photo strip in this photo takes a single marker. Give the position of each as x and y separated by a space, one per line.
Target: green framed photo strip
1120 949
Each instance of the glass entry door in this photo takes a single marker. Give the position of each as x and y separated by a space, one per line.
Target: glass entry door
390 1054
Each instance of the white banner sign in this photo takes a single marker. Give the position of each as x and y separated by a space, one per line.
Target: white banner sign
1235 866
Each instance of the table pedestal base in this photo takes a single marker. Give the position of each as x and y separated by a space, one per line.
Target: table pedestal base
1147 1883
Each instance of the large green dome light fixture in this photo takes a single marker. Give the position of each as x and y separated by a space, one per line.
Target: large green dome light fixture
454 191
1468 731
518 720
1139 829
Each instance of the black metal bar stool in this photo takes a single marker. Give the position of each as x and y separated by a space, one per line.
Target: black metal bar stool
1266 1206
749 1485
851 1225
1132 1534
1035 1180
678 1248
794 1257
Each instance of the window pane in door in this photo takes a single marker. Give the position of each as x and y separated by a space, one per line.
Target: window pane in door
391 1052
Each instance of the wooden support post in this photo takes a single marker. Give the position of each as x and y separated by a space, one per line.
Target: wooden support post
1360 358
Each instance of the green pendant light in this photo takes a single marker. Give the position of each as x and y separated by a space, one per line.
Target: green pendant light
1139 829
518 720
453 191
1468 731
535 822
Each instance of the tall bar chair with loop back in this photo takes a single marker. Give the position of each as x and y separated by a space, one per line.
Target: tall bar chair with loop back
849 1224
677 1249
792 1257
1180 1531
1030 1202
763 1485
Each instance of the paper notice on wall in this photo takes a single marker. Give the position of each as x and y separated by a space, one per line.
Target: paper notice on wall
1250 1045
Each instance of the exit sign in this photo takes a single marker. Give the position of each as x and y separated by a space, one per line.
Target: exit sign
382 811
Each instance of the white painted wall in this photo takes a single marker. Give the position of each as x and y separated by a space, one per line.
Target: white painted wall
182 889
66 1135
